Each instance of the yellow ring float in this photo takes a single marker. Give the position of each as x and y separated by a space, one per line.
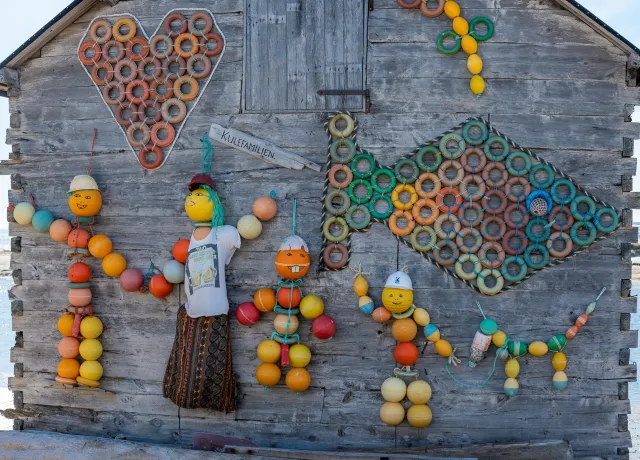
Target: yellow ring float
340 133
395 197
121 23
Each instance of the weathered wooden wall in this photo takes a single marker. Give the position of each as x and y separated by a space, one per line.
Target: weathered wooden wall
553 85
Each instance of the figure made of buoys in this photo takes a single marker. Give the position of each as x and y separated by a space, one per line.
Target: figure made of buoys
292 263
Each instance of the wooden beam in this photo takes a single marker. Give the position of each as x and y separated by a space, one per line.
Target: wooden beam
9 79
111 2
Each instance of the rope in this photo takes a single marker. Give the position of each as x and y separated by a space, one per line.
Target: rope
293 221
93 144
484 382
207 155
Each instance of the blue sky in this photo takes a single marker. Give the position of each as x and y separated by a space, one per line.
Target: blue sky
22 19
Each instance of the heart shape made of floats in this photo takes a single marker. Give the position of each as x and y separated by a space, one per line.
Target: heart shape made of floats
151 85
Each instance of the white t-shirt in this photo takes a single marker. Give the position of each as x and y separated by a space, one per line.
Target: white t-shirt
205 284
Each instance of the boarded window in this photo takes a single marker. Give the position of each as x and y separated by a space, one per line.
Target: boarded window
296 47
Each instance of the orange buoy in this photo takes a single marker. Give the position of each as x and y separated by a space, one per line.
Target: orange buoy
65 324
160 287
268 374
59 230
288 297
443 348
114 264
68 368
381 315
78 238
69 347
404 330
79 272
265 208
265 299
180 251
100 246
405 353
79 297
298 379
285 324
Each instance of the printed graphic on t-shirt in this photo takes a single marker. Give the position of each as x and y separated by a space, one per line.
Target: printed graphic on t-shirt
202 268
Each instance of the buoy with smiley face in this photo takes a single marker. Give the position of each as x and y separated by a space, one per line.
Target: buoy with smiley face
85 199
292 260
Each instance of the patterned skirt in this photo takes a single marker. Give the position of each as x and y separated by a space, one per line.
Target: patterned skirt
200 372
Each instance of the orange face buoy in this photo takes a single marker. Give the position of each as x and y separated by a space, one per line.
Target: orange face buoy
289 298
160 287
265 299
100 246
404 330
265 208
68 368
69 347
405 353
78 238
60 230
298 379
381 315
268 374
180 251
79 297
79 272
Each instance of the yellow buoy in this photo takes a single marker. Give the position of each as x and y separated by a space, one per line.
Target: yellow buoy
393 389
91 327
311 307
559 361
452 9
419 392
299 355
499 338
269 351
419 415
460 26
512 368
421 317
392 413
474 64
469 44
538 348
360 286
90 349
443 348
477 84
91 370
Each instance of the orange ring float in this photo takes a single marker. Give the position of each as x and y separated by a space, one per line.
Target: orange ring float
82 53
120 23
487 198
142 157
444 207
132 66
156 68
443 172
462 234
455 253
526 189
567 248
120 118
506 242
193 92
212 51
138 84
486 174
173 102
485 228
200 16
166 24
181 69
177 45
436 185
107 90
432 13
395 197
165 52
444 234
409 5
344 256
155 95
393 223
332 176
191 66
482 255
430 204
150 119
171 134
95 75
108 46
462 214
479 183
561 210
464 160
138 126
131 54
522 209
97 25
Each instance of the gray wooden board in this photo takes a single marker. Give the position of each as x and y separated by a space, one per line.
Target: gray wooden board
553 86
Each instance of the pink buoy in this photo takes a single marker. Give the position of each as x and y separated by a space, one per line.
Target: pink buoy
131 279
323 327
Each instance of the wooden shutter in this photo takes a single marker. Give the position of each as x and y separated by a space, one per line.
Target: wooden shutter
294 48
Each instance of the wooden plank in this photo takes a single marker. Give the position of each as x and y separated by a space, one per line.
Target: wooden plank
274 96
315 49
335 75
296 57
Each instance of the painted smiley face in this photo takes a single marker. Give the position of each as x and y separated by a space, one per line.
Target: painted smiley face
397 300
199 205
292 264
85 203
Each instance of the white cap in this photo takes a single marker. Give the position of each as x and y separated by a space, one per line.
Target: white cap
83 182
399 280
293 242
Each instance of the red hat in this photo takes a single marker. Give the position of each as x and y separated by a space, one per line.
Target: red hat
200 179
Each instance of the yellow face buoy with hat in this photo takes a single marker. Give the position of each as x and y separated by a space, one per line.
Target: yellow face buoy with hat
397 295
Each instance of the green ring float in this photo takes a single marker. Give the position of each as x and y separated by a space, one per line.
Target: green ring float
372 206
577 215
477 267
446 34
550 176
428 167
593 232
614 220
519 172
414 174
462 146
505 269
364 223
542 250
389 174
554 191
499 281
352 188
540 221
481 20
285 311
79 285
333 150
475 123
354 165
423 247
496 140
326 229
404 315
337 211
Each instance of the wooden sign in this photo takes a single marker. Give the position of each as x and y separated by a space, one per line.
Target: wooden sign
260 148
